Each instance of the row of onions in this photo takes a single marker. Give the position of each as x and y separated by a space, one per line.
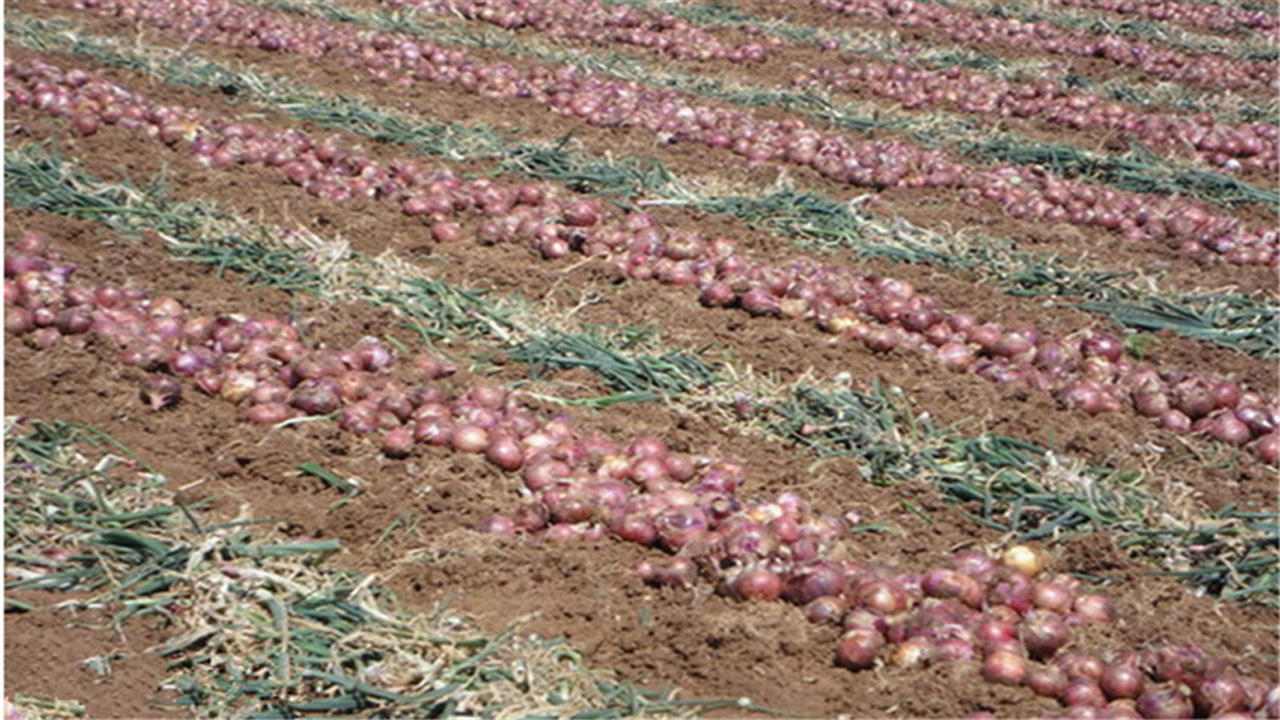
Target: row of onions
1024 192
595 22
966 26
1086 371
1223 17
1008 614
1225 145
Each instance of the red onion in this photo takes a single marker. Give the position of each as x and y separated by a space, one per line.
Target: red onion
315 398
1095 608
505 452
1056 594
1004 668
1217 696
1079 664
1044 633
1228 429
1122 680
827 610
756 583
497 525
944 583
1046 680
469 438
398 442
859 648
269 413
1082 691
1166 703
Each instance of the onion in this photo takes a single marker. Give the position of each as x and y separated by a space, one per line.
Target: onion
497 525
1102 345
808 583
859 648
506 452
975 563
469 438
1166 703
1217 696
1025 559
18 320
756 583
1228 429
1056 595
911 652
1043 633
1004 668
636 528
1095 608
827 610
269 413
954 356
678 526
944 583
1046 680
884 596
1267 448
1082 692
398 442
1079 664
759 303
315 398
1122 680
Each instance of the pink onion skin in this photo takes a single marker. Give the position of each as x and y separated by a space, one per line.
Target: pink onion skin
497 525
1095 608
398 442
1044 633
756 583
505 452
1217 696
1046 680
269 413
859 648
1122 680
1170 703
469 439
1004 668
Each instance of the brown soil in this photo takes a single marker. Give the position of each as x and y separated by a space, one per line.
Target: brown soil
47 652
588 592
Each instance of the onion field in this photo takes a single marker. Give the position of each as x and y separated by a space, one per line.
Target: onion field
621 358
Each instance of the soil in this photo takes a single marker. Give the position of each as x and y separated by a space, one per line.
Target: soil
588 592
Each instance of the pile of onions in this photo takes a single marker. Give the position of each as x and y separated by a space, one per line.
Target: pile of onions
1007 615
966 26
1085 371
1223 17
1023 192
600 24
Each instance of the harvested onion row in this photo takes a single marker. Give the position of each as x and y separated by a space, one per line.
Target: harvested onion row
1024 192
966 26
1216 17
1225 145
1009 615
595 22
1085 371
